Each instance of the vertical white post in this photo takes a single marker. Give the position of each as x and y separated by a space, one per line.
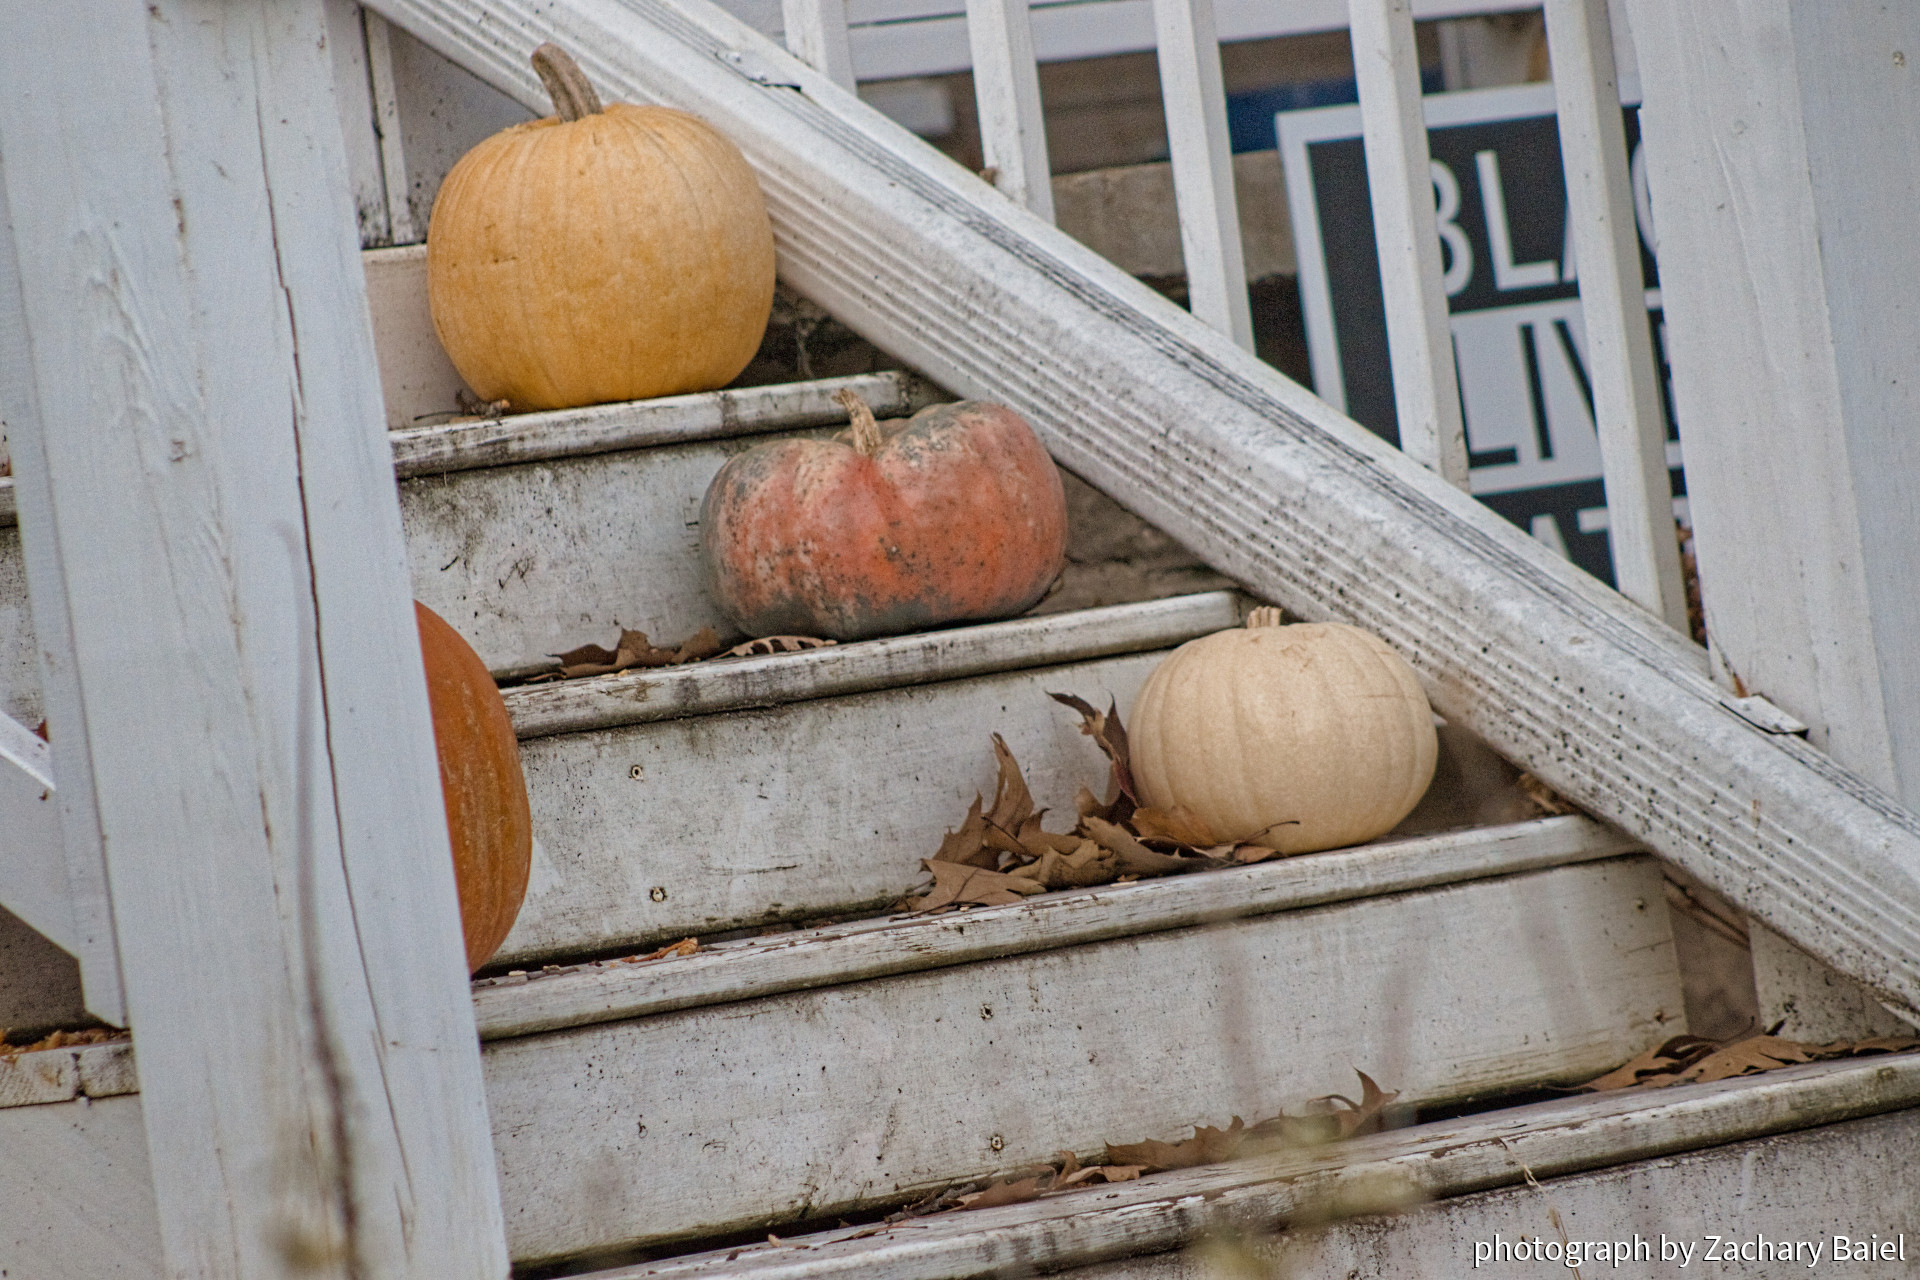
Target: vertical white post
1006 87
1606 242
1196 108
817 35
386 118
217 495
1784 171
1426 392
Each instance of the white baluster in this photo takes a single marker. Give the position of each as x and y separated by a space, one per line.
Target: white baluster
1626 387
1196 107
1426 393
817 35
1006 87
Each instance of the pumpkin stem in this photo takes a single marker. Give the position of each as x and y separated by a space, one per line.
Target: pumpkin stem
566 83
866 432
1267 616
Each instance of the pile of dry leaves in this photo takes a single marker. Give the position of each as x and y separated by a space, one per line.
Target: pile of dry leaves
58 1040
1689 1059
633 649
1327 1119
1003 854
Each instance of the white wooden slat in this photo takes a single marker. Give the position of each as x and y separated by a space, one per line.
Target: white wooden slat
1426 390
1195 101
43 679
639 696
894 38
1787 280
1006 89
1449 1158
386 115
838 954
1627 406
825 808
353 92
748 1115
639 424
1717 1205
1260 478
225 518
33 861
817 35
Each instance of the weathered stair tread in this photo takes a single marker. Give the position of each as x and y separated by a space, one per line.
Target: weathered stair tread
665 693
753 1113
61 1075
638 424
606 991
650 832
1168 1211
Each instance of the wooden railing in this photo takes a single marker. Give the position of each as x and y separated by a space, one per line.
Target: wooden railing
1627 408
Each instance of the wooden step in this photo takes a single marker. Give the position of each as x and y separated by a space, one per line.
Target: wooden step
756 1112
535 533
822 805
1797 1153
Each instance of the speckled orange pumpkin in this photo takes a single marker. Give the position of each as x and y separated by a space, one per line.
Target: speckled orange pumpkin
486 794
954 514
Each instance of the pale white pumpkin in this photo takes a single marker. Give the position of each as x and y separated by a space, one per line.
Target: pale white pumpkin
1319 724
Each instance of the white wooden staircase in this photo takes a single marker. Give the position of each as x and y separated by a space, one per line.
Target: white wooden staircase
825 1056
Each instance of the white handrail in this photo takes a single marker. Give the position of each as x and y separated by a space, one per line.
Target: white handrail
1426 391
1627 410
1196 107
1006 87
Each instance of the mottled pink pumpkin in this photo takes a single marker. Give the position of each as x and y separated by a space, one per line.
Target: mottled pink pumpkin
955 514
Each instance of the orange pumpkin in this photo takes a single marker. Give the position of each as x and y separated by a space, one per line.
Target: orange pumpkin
954 514
611 253
485 791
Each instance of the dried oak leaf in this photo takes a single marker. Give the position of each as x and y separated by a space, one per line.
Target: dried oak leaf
1086 866
1176 823
635 650
1104 728
956 884
1744 1058
967 846
1012 802
1686 1059
1206 1146
766 646
1327 1119
1136 858
1663 1061
1009 1192
1101 1173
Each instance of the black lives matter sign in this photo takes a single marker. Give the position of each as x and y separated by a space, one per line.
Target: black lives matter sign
1513 295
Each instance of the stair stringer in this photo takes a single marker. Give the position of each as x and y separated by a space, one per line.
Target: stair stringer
1252 472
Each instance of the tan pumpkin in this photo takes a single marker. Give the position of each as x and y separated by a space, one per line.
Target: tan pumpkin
488 818
1318 725
599 254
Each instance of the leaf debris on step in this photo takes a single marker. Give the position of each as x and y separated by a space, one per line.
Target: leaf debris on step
634 649
1688 1059
684 947
1001 853
1329 1119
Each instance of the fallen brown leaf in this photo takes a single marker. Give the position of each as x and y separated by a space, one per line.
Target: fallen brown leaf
1009 1192
1206 1146
1687 1059
1104 728
766 646
684 947
1135 857
967 846
1177 823
956 884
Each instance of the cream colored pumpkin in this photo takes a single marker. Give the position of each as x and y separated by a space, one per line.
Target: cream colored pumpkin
1318 724
612 254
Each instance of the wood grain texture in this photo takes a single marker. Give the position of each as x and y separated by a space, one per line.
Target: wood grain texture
79 1193
670 693
1558 673
1802 1187
836 954
751 1114
655 831
205 374
1450 1158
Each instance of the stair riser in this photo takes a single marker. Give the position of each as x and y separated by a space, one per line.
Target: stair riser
529 561
820 1101
813 809
1858 1179
19 668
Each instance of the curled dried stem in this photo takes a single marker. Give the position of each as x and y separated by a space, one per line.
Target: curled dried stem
1267 616
572 93
866 432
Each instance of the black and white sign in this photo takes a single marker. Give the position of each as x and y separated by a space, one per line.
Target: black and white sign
1512 291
